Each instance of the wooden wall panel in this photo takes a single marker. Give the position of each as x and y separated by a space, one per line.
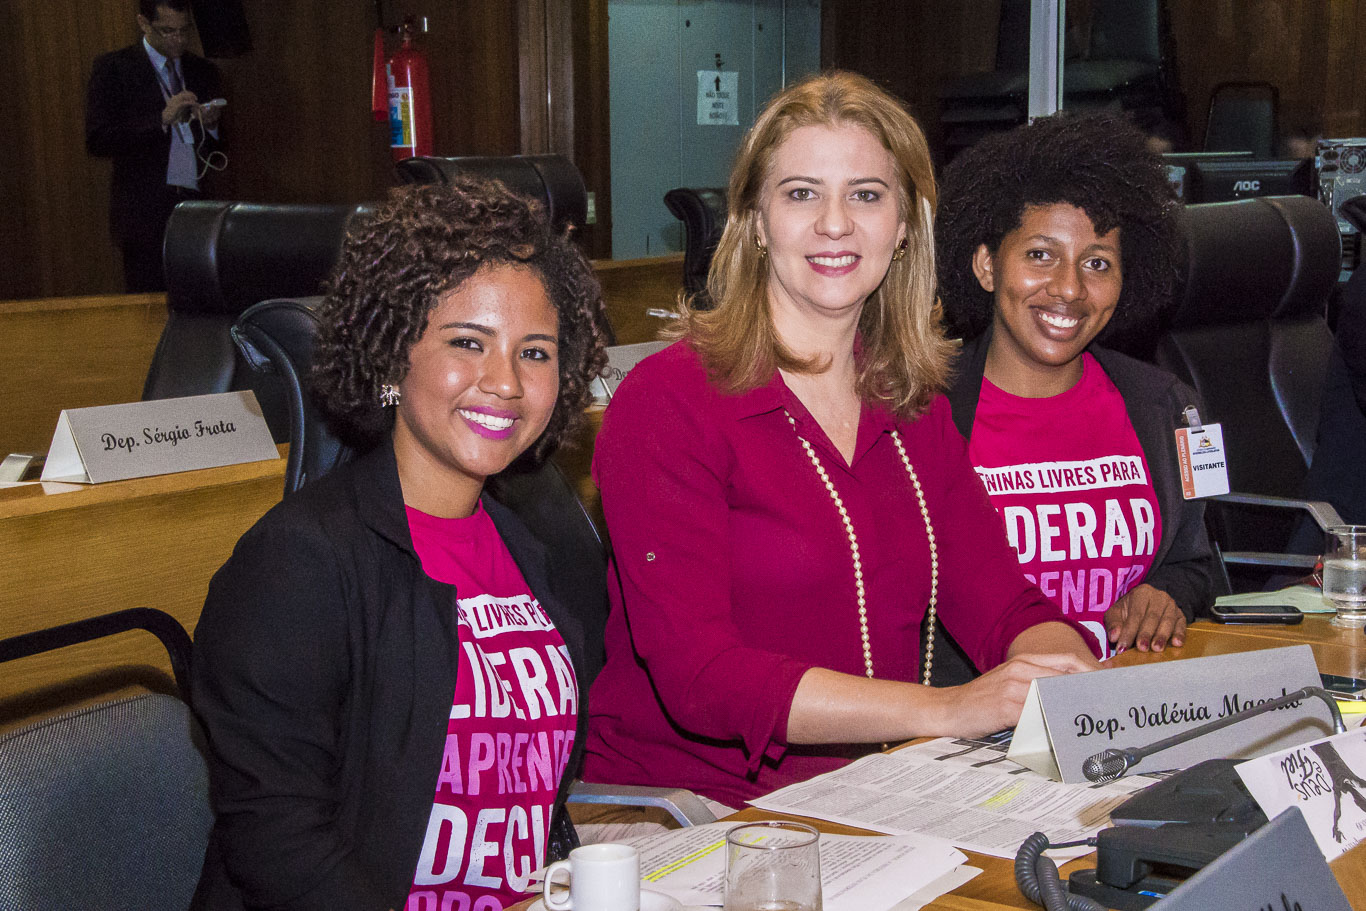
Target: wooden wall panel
587 44
1314 51
54 223
298 119
911 48
1308 50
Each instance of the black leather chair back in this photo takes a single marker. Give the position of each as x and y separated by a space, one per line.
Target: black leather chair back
1249 332
703 213
1242 118
1126 30
221 258
551 179
276 338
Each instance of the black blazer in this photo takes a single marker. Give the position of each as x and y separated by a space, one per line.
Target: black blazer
123 122
324 666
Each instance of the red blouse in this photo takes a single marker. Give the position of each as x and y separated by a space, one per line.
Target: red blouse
736 576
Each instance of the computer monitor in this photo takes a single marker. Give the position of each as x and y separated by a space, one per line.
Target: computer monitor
1223 181
1181 164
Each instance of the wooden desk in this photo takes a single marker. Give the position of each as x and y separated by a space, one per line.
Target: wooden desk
151 542
995 887
78 351
1344 648
632 286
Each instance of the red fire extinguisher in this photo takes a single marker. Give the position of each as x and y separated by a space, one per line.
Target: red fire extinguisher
410 99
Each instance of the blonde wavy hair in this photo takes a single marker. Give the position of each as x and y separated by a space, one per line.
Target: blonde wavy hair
904 358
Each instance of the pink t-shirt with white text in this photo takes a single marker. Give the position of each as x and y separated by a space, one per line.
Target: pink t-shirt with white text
511 726
1068 477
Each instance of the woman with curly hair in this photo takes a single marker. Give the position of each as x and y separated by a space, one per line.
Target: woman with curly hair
786 495
386 670
1052 239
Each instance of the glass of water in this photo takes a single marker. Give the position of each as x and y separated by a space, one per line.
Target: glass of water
1344 573
773 866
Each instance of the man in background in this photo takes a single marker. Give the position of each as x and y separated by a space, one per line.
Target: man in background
146 109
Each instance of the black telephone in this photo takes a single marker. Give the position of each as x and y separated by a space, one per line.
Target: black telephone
1167 832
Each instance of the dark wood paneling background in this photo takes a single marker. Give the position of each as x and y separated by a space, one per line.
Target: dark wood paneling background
528 76
1314 51
1311 50
911 48
298 118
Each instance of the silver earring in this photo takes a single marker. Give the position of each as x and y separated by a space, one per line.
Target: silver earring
389 395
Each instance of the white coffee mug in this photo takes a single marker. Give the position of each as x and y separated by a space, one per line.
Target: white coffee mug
601 878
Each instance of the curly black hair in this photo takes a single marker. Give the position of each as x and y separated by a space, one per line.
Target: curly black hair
422 242
1096 162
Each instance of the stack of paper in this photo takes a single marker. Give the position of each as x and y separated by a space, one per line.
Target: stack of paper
964 792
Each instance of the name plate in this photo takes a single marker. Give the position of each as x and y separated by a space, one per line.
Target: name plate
1325 780
620 360
1069 718
1276 868
140 439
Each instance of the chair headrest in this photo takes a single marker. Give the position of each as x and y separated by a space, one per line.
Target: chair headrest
279 336
702 207
222 257
291 322
1276 257
552 180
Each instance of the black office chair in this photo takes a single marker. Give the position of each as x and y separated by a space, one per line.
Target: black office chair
279 336
975 104
1249 333
106 806
703 213
222 257
551 179
1335 473
1242 118
276 339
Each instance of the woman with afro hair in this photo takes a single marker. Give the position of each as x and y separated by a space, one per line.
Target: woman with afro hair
388 666
1053 239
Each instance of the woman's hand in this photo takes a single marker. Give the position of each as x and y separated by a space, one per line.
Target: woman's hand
1146 618
994 700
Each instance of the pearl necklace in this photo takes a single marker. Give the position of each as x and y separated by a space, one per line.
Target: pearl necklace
858 563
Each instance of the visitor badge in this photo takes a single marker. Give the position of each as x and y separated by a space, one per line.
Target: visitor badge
1204 466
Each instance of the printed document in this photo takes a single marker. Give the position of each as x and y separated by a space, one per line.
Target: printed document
858 873
962 791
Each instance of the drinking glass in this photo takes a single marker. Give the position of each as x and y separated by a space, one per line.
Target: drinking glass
1344 573
773 866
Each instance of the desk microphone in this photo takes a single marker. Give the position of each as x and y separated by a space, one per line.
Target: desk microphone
1111 764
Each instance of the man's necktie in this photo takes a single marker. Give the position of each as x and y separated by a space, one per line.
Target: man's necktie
173 79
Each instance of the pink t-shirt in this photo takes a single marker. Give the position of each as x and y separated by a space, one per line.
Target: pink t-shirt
1068 477
511 728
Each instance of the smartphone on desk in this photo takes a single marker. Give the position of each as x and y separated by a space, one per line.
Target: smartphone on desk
1256 613
1344 687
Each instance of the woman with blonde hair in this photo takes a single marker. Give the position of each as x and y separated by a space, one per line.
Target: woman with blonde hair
786 494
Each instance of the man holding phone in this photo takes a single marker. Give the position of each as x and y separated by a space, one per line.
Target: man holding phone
144 110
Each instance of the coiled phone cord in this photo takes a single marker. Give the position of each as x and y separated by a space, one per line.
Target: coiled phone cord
1037 877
